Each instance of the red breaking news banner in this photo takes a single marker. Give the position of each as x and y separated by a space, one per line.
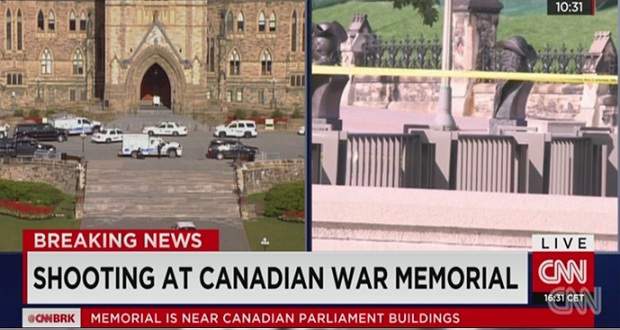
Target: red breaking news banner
100 240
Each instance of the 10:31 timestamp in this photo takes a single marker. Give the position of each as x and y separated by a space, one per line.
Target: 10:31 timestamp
570 7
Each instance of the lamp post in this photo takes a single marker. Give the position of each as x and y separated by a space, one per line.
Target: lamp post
83 136
444 120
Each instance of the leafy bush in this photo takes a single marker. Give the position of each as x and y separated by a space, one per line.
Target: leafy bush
277 114
255 114
19 113
34 113
283 198
297 114
31 192
240 114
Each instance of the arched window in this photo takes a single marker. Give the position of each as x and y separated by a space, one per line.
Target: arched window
265 62
78 63
234 63
40 21
51 21
72 21
261 22
272 22
294 31
9 30
229 22
83 21
20 31
46 62
240 22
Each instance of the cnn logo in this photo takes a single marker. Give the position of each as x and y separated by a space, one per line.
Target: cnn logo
551 270
559 271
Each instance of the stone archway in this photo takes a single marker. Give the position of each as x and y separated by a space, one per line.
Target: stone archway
155 83
144 66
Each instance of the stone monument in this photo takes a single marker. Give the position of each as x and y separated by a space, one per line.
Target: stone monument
327 89
511 95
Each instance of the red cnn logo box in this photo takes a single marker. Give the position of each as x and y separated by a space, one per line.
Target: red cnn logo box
562 262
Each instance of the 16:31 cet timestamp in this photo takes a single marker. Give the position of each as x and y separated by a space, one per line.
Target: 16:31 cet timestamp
571 7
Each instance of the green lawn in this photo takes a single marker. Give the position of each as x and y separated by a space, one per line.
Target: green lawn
11 229
282 236
534 25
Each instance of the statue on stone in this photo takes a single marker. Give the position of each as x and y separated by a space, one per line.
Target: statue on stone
327 89
511 95
326 40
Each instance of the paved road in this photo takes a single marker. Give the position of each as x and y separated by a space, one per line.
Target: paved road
156 193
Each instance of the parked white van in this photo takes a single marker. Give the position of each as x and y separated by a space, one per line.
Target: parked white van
76 125
237 128
137 145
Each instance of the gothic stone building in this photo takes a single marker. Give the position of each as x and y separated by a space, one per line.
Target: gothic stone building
195 55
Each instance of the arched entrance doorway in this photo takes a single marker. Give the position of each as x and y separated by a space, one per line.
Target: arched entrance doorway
156 83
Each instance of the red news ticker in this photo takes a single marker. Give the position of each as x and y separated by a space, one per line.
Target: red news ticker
297 316
120 240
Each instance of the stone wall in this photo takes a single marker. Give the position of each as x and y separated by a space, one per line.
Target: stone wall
260 176
398 93
546 101
63 175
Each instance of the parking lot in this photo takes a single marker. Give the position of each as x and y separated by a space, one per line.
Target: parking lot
272 144
123 192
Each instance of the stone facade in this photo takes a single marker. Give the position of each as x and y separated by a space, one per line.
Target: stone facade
134 50
33 32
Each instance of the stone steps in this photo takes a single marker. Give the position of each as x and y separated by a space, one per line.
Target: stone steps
141 194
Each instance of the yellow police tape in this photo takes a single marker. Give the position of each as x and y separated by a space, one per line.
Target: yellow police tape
525 76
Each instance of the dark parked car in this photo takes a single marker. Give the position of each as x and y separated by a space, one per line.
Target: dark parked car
220 149
25 147
40 132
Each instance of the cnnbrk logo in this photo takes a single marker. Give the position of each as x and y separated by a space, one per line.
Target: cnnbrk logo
568 270
51 318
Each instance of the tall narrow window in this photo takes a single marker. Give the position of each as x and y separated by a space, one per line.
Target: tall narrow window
51 21
72 21
229 22
78 63
265 62
234 63
261 22
240 22
46 62
211 55
272 22
294 32
9 30
83 21
20 31
40 21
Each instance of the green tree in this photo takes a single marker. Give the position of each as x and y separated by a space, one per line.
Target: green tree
426 8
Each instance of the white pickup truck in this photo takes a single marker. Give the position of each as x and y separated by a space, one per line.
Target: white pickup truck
76 125
166 128
139 145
